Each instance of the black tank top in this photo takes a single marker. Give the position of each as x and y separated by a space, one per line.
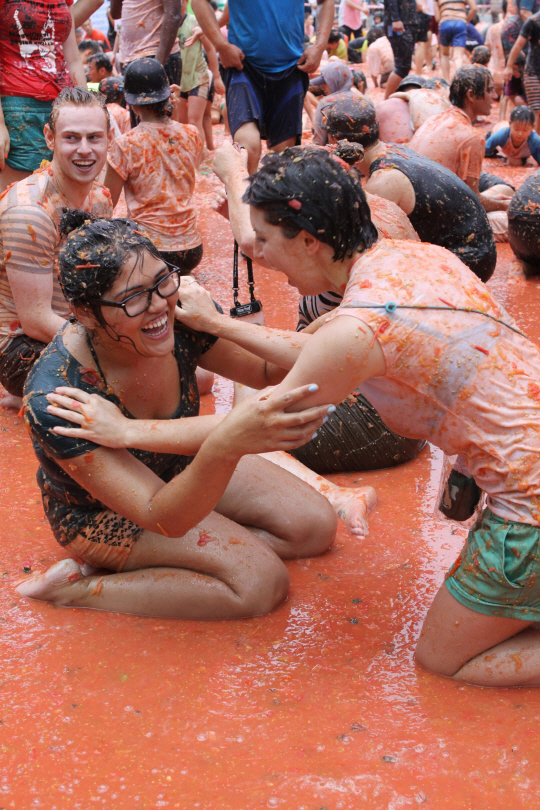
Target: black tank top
446 211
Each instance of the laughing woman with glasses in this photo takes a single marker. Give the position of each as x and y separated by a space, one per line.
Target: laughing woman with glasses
186 522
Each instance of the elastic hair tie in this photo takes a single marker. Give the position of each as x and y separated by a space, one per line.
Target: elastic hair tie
296 204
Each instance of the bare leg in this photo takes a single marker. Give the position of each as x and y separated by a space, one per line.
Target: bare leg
280 147
478 649
420 56
248 136
207 126
458 57
231 574
196 110
292 518
393 83
9 176
350 504
445 62
219 569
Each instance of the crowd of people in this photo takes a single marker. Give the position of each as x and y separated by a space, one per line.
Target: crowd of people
379 212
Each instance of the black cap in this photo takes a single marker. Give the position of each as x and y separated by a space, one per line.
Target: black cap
412 81
145 82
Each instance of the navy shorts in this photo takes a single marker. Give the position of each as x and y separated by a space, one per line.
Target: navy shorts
274 101
453 32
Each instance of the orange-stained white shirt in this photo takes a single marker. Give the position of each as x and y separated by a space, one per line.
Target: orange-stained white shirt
142 21
158 164
380 57
458 379
451 140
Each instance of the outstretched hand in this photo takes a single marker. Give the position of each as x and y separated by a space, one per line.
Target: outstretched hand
260 424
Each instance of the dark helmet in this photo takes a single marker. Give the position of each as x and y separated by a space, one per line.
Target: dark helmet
351 118
112 88
411 81
145 82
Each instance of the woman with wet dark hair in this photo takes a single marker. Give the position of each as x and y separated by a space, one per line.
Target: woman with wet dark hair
189 523
441 360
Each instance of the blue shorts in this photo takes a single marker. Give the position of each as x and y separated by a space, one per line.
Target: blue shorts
274 101
453 32
25 119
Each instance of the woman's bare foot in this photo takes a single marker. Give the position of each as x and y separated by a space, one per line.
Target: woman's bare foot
9 401
54 584
351 505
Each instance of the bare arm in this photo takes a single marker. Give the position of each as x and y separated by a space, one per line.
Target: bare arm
169 29
32 294
339 357
514 53
473 8
213 64
276 346
116 9
230 167
82 10
73 60
114 183
4 139
393 185
311 58
230 55
125 485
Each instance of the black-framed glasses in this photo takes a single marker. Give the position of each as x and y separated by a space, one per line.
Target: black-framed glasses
139 302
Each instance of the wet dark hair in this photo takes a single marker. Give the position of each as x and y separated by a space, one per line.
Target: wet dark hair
470 77
101 60
520 59
334 36
480 55
89 45
374 33
92 256
161 108
435 84
359 80
305 188
523 114
352 119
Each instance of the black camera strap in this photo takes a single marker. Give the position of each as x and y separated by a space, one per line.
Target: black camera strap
239 310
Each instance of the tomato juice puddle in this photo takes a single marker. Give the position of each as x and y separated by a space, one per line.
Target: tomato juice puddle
317 705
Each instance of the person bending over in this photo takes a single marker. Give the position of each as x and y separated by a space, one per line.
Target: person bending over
441 208
188 522
155 164
447 375
450 138
32 307
354 438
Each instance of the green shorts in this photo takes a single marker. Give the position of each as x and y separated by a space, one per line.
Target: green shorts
25 119
498 570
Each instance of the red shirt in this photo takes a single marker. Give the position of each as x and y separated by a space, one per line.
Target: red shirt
32 33
99 36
